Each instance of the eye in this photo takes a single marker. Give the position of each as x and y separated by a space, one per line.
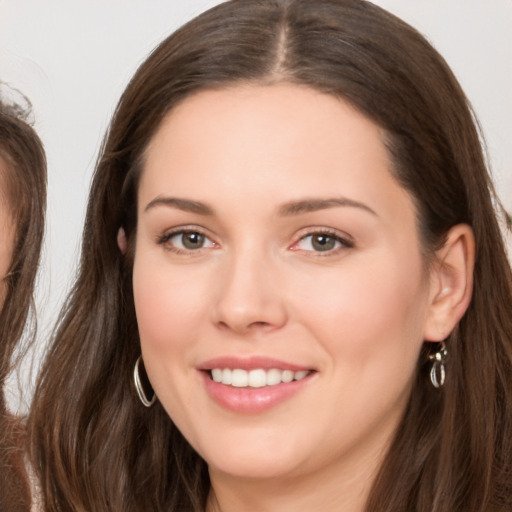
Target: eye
322 242
186 240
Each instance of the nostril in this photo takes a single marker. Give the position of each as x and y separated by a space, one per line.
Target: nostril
243 327
258 324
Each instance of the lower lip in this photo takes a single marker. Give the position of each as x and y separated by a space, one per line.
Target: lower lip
252 400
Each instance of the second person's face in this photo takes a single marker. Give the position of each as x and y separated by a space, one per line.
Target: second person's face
6 233
280 291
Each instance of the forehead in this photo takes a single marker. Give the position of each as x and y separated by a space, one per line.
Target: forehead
277 140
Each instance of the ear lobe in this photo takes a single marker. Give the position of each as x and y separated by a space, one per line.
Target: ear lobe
121 241
451 283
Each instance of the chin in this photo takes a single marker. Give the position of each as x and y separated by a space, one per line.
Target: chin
253 458
255 468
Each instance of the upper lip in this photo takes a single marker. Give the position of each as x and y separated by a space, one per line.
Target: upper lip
250 363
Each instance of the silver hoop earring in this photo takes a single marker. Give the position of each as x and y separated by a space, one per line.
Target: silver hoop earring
139 388
438 371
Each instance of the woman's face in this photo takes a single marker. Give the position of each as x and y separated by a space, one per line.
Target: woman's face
280 292
6 233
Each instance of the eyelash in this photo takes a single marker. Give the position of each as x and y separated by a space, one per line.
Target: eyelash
165 238
343 241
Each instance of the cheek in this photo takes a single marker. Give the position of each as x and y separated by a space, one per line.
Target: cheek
370 326
374 308
167 306
171 304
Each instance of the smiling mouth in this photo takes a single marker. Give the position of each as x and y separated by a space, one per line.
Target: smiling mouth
257 378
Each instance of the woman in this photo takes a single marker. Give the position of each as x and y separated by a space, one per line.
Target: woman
291 232
22 207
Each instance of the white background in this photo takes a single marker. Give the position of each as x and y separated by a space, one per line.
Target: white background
73 58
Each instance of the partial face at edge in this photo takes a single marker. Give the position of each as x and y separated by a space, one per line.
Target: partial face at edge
6 233
272 235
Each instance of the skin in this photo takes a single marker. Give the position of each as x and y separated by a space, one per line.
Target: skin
6 236
356 314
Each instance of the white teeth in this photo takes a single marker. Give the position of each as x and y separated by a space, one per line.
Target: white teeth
239 378
274 377
255 378
226 376
287 376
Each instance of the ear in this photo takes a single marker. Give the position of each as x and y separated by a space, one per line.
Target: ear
451 283
121 240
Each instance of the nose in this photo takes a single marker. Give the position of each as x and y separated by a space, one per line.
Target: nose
250 297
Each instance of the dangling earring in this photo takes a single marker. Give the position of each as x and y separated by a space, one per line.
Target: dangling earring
138 387
438 372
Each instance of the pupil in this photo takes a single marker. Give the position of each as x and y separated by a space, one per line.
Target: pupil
323 242
193 240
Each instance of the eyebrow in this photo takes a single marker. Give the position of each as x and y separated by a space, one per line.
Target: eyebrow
313 205
186 205
288 209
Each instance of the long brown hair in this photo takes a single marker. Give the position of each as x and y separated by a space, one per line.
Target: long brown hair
23 188
95 448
